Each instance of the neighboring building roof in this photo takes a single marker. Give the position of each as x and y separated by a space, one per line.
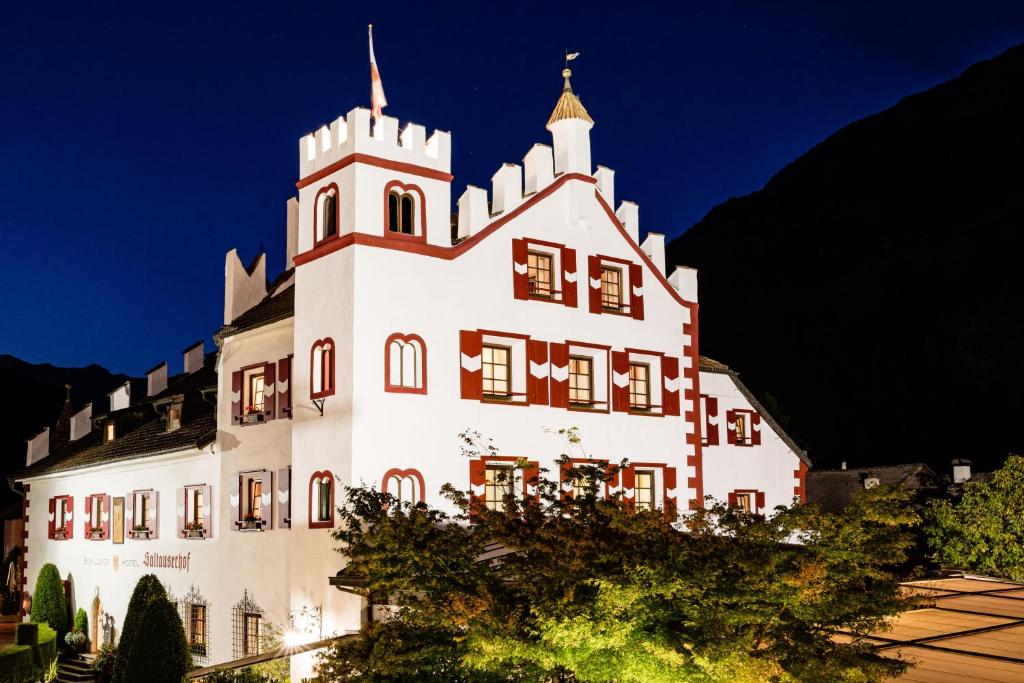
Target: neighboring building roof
568 105
272 309
832 490
974 631
705 364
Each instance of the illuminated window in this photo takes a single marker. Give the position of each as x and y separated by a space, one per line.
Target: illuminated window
741 429
108 432
321 500
251 635
644 485
497 371
173 418
401 213
639 386
581 381
745 501
255 393
253 499
539 272
498 480
194 507
611 288
197 629
140 507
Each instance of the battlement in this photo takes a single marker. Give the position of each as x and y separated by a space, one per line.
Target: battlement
355 134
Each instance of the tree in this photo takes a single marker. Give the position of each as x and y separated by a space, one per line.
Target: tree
147 590
592 589
159 651
48 603
984 530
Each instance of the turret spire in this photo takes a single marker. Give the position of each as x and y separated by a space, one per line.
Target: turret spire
568 105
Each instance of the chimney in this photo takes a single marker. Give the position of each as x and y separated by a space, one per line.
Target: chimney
156 379
194 357
243 287
961 470
121 397
38 447
291 244
81 422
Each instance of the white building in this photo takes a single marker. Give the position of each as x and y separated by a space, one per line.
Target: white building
393 329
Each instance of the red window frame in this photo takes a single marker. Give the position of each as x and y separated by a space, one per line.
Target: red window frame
316 214
402 474
406 188
326 369
406 338
314 480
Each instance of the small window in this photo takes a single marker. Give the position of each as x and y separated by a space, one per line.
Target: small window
745 501
581 381
322 368
321 500
323 507
496 363
405 488
194 508
251 634
61 514
327 213
498 481
611 288
248 627
639 386
174 417
581 487
539 274
401 213
108 432
197 630
405 369
741 429
141 524
252 514
96 517
644 489
254 394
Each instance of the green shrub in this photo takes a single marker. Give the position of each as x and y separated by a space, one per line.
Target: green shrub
30 663
147 590
103 666
81 621
26 633
159 652
47 652
48 604
16 664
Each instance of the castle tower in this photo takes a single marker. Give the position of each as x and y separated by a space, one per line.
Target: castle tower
570 126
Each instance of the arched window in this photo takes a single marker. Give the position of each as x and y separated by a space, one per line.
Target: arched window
321 500
321 368
326 216
405 364
405 485
404 211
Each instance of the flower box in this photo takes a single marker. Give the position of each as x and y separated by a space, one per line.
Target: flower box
250 525
141 534
252 418
59 535
198 532
96 534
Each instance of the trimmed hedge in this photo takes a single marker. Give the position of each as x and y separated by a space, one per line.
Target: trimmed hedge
159 653
147 590
29 663
48 604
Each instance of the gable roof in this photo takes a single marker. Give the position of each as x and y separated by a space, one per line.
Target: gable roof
706 364
272 308
832 490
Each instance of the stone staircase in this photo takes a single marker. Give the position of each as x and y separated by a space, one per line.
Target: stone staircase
75 669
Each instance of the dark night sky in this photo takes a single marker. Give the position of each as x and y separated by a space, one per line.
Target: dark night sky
139 143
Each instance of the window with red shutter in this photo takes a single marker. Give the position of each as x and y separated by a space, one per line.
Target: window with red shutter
559 384
570 285
636 291
520 276
470 364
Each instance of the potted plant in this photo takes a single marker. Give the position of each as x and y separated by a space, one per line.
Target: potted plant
195 530
76 641
60 533
250 522
141 531
96 532
252 414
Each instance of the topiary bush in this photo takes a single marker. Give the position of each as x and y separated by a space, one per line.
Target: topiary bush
33 659
81 622
147 590
159 652
48 603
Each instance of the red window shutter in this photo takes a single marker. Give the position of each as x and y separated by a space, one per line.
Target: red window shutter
154 514
628 483
235 501
755 429
531 477
711 430
180 504
284 494
470 365
129 513
284 394
594 283
269 390
565 481
207 511
732 499
670 486
87 518
69 528
670 385
520 274
52 518
730 427
620 381
236 396
106 517
760 499
570 280
559 363
636 291
537 378
477 476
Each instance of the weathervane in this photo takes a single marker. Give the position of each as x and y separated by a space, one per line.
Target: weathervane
569 56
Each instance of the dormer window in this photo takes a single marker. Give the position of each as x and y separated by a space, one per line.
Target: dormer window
326 218
401 213
108 432
174 417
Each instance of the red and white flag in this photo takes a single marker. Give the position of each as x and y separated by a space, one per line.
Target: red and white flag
377 99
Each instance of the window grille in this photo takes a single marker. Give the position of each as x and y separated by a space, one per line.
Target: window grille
247 620
194 611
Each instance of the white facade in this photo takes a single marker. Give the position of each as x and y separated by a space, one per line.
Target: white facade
380 349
